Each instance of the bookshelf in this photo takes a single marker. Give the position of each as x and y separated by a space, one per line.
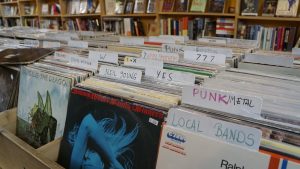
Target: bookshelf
231 9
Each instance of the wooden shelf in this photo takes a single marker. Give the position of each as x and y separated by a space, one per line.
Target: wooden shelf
27 1
270 18
80 15
197 13
29 15
50 16
11 16
131 15
9 3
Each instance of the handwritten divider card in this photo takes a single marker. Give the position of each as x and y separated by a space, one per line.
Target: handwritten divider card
108 57
231 133
121 73
171 76
204 57
82 62
31 43
78 44
132 41
143 63
163 56
224 101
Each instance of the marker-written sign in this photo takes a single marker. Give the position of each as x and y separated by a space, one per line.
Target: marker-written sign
81 62
174 48
31 43
62 56
203 57
220 130
121 73
213 41
171 76
78 44
143 63
108 57
163 56
132 41
224 101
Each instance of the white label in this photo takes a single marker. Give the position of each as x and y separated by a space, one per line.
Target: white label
213 41
171 76
31 43
271 59
232 133
163 56
82 62
296 51
224 101
173 48
203 57
11 42
131 41
153 121
78 44
161 39
180 39
109 57
62 56
243 42
121 73
47 44
143 63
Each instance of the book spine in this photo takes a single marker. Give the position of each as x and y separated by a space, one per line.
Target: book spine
291 38
286 39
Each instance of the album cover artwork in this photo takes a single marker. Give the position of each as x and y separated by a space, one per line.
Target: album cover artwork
103 131
42 106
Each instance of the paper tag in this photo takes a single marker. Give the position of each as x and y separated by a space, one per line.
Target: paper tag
161 39
143 63
12 42
232 133
243 42
272 59
163 56
109 57
82 62
121 73
132 41
203 57
31 43
63 56
48 44
78 44
180 39
213 41
173 48
171 76
224 101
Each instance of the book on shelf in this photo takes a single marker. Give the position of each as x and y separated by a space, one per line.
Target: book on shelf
216 6
181 6
93 6
249 7
82 24
139 6
198 5
110 7
114 25
168 5
151 7
287 8
129 7
270 38
210 27
225 27
55 9
29 9
83 6
119 6
50 24
9 10
31 22
269 7
45 9
11 22
133 27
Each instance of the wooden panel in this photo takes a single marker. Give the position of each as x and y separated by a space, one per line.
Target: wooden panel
8 120
51 149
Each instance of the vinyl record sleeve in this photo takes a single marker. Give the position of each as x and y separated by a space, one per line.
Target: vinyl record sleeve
22 56
126 133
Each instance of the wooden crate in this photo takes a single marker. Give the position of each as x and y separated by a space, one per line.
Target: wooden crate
17 154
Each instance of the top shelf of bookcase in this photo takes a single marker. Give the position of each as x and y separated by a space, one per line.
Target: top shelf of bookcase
81 15
270 18
197 13
132 15
9 3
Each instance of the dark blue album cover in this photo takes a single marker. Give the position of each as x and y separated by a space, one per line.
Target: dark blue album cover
105 132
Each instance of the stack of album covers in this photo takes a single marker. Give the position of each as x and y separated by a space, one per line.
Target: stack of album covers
113 125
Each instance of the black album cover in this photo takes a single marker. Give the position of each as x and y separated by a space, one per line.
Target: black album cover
23 56
106 132
9 80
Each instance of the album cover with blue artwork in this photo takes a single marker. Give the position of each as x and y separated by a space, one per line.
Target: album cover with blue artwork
105 132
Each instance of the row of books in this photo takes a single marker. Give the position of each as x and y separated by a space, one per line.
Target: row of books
82 24
121 115
130 6
83 7
125 26
215 6
271 38
9 10
29 9
271 8
198 27
50 9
